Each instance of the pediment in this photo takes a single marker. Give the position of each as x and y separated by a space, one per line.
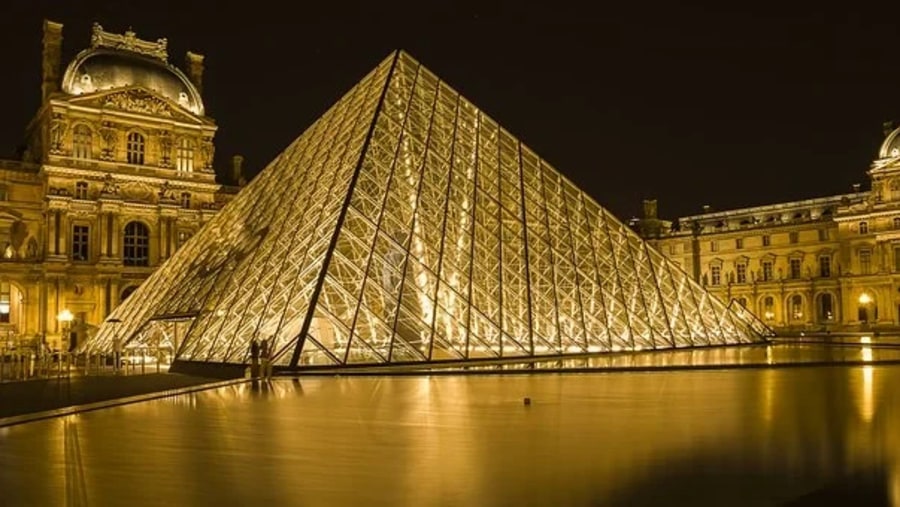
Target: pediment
137 191
138 100
9 214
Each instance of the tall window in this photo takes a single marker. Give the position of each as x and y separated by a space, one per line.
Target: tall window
767 271
80 242
184 161
136 245
135 148
713 246
769 308
4 193
82 142
864 227
186 200
794 236
823 234
796 307
5 302
81 190
715 275
741 270
795 268
826 307
865 262
824 266
897 259
739 243
896 222
767 240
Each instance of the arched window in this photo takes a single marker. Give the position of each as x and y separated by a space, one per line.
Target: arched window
184 161
135 148
136 245
82 142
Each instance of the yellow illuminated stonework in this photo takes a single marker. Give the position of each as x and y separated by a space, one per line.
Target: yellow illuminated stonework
405 225
115 173
825 264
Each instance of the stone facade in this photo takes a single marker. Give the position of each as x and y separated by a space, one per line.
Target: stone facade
115 174
829 263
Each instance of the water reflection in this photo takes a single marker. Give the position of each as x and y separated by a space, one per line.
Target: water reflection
721 437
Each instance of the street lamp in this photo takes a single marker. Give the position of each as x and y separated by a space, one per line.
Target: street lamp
65 317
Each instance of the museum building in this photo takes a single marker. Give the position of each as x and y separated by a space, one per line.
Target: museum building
822 264
114 174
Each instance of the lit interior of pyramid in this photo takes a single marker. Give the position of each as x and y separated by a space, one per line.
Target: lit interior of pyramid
405 225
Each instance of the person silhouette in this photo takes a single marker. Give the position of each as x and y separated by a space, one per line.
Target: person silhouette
254 358
266 354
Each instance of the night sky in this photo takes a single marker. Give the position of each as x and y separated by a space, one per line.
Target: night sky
691 106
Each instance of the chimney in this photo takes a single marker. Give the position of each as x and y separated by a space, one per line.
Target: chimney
237 172
707 208
194 66
650 208
855 187
51 58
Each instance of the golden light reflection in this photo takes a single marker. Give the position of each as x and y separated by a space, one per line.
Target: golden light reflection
768 391
868 398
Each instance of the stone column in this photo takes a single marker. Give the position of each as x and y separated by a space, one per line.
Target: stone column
63 232
162 225
114 234
173 234
101 233
52 226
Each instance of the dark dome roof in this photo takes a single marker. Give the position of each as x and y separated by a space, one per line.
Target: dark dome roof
102 69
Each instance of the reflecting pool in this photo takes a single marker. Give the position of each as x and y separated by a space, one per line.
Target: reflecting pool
714 437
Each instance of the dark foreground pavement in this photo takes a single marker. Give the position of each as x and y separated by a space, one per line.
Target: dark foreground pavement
20 398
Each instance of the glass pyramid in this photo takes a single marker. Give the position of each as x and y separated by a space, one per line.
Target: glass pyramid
405 225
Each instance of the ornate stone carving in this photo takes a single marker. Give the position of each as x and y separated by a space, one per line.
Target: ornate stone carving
110 187
138 101
58 127
208 152
167 194
110 137
31 251
137 191
129 42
